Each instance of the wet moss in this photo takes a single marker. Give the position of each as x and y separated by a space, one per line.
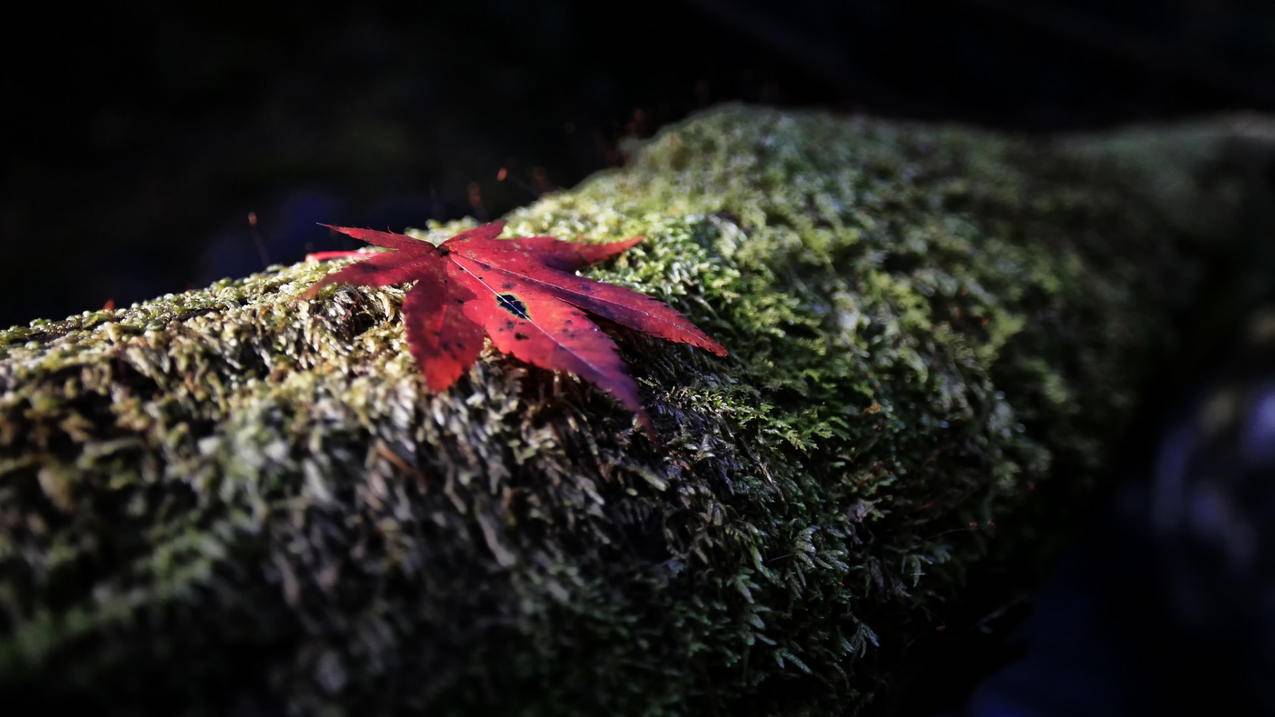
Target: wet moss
231 498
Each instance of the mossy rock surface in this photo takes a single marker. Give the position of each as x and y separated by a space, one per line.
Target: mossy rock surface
232 499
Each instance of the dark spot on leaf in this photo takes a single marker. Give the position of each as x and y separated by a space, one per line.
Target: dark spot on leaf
519 336
512 304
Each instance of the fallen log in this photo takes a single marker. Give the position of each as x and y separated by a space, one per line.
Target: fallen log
229 499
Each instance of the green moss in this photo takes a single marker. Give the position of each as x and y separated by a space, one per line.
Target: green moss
232 497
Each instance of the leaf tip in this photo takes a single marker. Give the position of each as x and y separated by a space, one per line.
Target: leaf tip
309 293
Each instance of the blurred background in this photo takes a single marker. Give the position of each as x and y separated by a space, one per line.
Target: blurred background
156 148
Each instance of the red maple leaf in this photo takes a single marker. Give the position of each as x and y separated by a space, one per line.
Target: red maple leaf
521 293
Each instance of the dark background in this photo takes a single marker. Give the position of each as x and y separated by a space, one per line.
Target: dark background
142 139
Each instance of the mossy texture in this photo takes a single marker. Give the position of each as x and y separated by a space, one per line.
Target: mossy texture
231 499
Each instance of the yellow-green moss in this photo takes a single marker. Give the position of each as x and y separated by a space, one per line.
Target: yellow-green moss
228 497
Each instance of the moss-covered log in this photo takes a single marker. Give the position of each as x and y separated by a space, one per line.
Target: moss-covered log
230 499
